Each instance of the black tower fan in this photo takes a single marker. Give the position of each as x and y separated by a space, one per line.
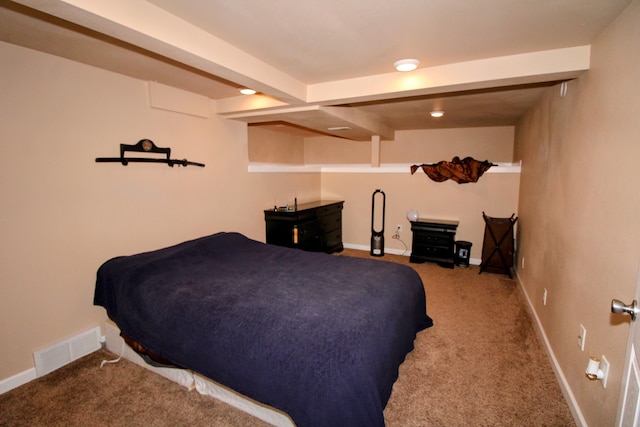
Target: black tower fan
377 237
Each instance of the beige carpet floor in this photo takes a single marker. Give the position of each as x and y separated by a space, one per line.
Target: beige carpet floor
473 368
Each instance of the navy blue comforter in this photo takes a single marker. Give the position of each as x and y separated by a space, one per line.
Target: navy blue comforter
317 336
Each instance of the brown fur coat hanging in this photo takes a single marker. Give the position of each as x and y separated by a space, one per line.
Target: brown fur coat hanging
460 171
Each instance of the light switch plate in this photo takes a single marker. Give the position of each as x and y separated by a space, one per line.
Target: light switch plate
604 365
582 337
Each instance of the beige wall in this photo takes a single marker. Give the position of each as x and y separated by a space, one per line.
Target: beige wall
327 149
417 146
266 146
429 146
579 211
495 193
63 214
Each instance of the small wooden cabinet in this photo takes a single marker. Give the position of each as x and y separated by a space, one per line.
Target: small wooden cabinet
314 226
433 241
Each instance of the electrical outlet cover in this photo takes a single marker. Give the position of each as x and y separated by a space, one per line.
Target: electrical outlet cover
582 337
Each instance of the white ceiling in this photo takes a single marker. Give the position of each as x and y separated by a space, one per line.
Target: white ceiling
293 51
319 41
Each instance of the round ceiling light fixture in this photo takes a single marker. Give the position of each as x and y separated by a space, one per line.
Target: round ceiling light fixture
406 64
436 114
247 91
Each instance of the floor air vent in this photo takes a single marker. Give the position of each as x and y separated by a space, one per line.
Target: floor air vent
58 355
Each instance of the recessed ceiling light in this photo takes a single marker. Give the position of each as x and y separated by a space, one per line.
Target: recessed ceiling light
247 91
338 128
406 64
437 113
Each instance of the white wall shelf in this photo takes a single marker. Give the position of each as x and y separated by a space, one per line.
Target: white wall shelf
360 168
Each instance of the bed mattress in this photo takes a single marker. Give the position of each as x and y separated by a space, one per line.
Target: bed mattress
318 336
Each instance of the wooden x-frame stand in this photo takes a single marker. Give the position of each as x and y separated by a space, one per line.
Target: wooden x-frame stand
498 245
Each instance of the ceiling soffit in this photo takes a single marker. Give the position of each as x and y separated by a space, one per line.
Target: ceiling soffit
369 105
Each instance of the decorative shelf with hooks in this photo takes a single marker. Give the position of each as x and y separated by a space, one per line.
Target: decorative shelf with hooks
146 146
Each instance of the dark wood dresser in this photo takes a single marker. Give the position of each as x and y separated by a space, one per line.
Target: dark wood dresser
433 241
314 226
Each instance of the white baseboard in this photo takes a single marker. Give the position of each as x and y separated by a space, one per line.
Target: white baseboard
562 380
406 252
17 380
54 357
368 248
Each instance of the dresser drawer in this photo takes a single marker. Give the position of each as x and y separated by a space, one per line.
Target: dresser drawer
433 251
331 221
432 239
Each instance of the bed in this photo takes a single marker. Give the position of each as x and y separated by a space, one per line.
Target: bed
317 336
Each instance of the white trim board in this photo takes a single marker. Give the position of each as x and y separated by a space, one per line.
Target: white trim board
404 168
406 252
562 380
55 356
17 380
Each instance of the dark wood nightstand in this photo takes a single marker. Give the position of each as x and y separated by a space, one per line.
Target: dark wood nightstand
433 241
314 226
